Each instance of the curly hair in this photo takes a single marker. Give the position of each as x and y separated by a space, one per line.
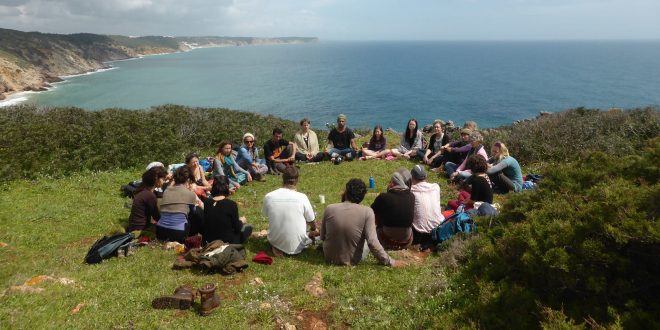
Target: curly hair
355 191
476 164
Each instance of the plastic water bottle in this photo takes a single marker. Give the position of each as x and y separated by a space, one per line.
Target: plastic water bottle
372 182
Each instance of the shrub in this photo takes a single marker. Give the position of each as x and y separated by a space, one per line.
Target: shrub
587 243
59 141
573 134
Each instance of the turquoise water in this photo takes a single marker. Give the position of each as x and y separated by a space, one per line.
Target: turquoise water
493 83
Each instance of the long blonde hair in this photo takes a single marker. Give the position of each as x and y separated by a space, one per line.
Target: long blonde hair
504 151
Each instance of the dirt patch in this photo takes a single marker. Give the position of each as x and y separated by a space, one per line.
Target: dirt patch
87 241
412 255
314 320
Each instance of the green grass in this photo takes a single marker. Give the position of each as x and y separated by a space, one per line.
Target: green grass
49 224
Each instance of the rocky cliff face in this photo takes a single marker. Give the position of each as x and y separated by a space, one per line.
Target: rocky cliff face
32 60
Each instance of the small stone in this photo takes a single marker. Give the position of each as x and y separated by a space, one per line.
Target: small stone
76 309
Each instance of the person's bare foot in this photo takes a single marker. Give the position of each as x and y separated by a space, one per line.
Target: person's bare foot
277 252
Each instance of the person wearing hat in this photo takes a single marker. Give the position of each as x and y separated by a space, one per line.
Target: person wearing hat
248 158
476 148
427 211
341 141
307 143
394 212
455 152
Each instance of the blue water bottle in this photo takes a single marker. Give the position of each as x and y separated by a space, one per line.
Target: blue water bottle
372 182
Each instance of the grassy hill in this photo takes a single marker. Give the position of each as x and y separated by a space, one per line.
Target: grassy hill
579 252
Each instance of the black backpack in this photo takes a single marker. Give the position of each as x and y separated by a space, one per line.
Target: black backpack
106 247
129 189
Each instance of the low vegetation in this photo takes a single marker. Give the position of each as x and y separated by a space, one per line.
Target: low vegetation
580 252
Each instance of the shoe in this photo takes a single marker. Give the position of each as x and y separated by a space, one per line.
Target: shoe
210 300
182 299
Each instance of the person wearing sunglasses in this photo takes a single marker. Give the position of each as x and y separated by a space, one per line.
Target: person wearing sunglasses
248 158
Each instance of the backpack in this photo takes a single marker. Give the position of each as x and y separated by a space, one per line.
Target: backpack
106 247
460 222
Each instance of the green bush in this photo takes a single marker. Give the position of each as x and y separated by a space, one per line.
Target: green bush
586 243
573 134
59 141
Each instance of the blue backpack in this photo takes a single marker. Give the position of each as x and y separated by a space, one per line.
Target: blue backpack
460 222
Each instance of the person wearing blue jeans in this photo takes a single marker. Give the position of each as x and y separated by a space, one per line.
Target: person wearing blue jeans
341 141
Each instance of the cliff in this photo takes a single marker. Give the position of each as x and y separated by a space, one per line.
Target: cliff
32 60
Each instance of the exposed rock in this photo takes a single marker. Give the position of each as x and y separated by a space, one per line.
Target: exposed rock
315 286
544 113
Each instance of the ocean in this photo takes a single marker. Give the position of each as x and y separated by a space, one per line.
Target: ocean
386 83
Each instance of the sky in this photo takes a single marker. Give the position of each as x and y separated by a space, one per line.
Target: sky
343 19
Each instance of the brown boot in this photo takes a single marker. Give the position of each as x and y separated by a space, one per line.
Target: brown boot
210 300
182 299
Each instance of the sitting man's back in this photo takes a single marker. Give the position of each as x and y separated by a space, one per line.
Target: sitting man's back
288 212
347 226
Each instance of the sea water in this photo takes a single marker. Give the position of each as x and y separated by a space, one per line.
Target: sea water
384 83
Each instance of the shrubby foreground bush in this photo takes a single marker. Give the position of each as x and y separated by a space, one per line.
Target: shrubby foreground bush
60 141
585 246
573 134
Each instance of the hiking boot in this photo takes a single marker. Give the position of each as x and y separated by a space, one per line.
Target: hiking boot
182 299
210 300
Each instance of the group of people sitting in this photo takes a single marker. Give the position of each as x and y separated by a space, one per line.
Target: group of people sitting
398 218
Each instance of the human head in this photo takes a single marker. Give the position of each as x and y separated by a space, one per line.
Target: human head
182 175
305 124
418 173
248 140
378 129
224 148
355 191
499 150
192 159
341 120
411 131
465 134
220 186
476 138
277 134
153 177
437 127
476 164
471 125
290 176
400 180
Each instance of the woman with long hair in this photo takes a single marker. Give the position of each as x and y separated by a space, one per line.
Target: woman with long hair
225 165
377 147
411 141
433 155
201 186
175 208
504 170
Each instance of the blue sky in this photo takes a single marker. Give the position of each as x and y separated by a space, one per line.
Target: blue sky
343 19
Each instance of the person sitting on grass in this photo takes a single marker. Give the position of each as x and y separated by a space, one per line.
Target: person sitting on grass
279 153
377 147
144 211
476 188
432 156
476 148
221 220
348 230
248 158
225 165
341 141
427 211
394 211
504 170
456 151
178 201
411 141
289 212
307 143
202 187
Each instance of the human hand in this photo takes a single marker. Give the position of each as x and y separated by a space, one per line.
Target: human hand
249 177
242 219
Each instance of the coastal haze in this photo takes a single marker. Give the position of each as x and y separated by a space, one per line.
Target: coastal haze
383 83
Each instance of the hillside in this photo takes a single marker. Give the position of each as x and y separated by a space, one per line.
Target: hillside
32 60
